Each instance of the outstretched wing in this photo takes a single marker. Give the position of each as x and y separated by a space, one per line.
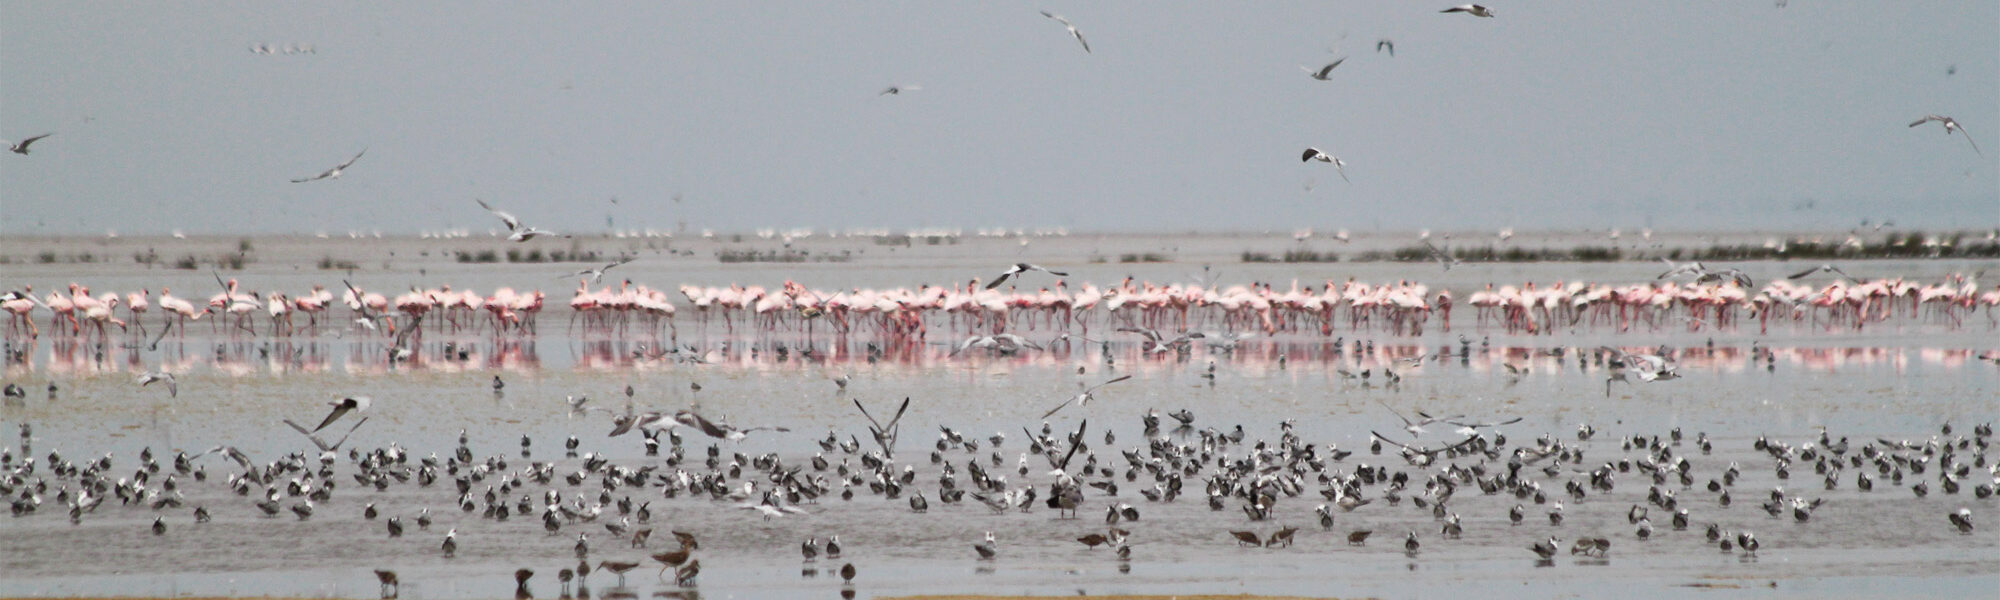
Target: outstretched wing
513 224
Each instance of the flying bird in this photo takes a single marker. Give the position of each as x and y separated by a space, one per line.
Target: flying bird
21 147
1020 268
1825 268
898 89
521 233
1072 29
341 408
1083 397
1386 44
1471 9
333 173
1950 125
173 389
597 273
1312 154
1323 73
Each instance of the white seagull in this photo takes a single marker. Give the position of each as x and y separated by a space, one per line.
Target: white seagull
1020 268
173 389
1072 29
1949 123
1339 166
333 173
1471 9
520 233
21 147
1083 397
597 273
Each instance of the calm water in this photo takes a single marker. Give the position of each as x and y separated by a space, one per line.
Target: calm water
1894 382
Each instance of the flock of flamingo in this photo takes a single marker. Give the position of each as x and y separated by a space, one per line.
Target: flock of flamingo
1399 308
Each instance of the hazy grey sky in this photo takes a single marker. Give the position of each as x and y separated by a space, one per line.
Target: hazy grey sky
1186 116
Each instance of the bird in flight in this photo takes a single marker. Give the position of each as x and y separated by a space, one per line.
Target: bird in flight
1323 74
173 389
341 408
899 89
1825 268
598 272
1950 125
521 233
1386 44
21 147
333 173
1072 29
1020 268
1470 9
1084 397
1339 166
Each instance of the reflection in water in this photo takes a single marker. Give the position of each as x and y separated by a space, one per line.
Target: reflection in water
241 358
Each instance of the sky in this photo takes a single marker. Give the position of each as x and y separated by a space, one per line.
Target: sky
736 116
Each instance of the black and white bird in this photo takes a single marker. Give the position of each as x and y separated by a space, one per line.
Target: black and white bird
1339 166
1825 268
1072 29
1324 73
1386 44
987 549
21 147
333 173
1950 125
897 90
1020 268
341 408
1470 9
1962 520
518 232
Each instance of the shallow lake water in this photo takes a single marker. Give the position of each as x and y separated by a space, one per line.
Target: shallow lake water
1904 381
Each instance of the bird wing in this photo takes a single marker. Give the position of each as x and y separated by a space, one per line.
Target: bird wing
350 162
1112 381
338 411
1066 402
1079 39
1803 274
1926 119
22 146
513 224
1309 153
1323 71
1968 140
998 280
1340 166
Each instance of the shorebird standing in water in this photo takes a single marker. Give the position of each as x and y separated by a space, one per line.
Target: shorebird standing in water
987 549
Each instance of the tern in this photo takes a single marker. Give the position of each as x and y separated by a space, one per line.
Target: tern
1020 268
173 389
341 408
895 90
1950 125
597 273
1825 268
21 147
1470 9
1083 397
333 173
1324 73
520 233
1312 154
1072 29
1386 44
